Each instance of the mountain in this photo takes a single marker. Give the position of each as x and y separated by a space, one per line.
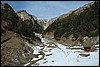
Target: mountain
20 21
45 22
9 18
26 16
21 32
29 20
80 22
16 29
51 21
77 11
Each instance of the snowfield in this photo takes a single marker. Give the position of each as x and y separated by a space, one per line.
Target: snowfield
60 55
67 57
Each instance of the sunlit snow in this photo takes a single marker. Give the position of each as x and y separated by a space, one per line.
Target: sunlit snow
62 56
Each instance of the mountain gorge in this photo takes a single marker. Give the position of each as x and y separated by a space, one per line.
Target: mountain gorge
26 40
45 22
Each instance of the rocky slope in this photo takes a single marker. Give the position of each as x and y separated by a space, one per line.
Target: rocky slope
15 31
29 20
22 23
14 51
9 18
43 23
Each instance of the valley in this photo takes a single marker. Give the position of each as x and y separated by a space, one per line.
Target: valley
56 54
70 39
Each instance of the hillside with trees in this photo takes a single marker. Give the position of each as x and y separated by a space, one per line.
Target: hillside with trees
85 23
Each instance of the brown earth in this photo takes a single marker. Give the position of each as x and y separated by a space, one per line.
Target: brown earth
89 41
14 52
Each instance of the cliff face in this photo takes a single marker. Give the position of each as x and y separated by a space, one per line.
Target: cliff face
26 16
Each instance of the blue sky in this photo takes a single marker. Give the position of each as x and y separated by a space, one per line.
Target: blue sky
46 9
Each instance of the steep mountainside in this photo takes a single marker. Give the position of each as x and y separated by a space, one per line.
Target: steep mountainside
51 21
77 11
9 18
15 31
83 21
46 23
20 22
29 20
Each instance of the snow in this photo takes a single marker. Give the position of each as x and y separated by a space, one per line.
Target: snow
37 58
67 57
77 47
36 50
97 45
45 27
61 56
52 45
26 64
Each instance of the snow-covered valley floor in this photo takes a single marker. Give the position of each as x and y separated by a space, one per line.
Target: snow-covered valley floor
56 54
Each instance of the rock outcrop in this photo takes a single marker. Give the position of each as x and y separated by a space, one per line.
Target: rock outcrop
30 20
